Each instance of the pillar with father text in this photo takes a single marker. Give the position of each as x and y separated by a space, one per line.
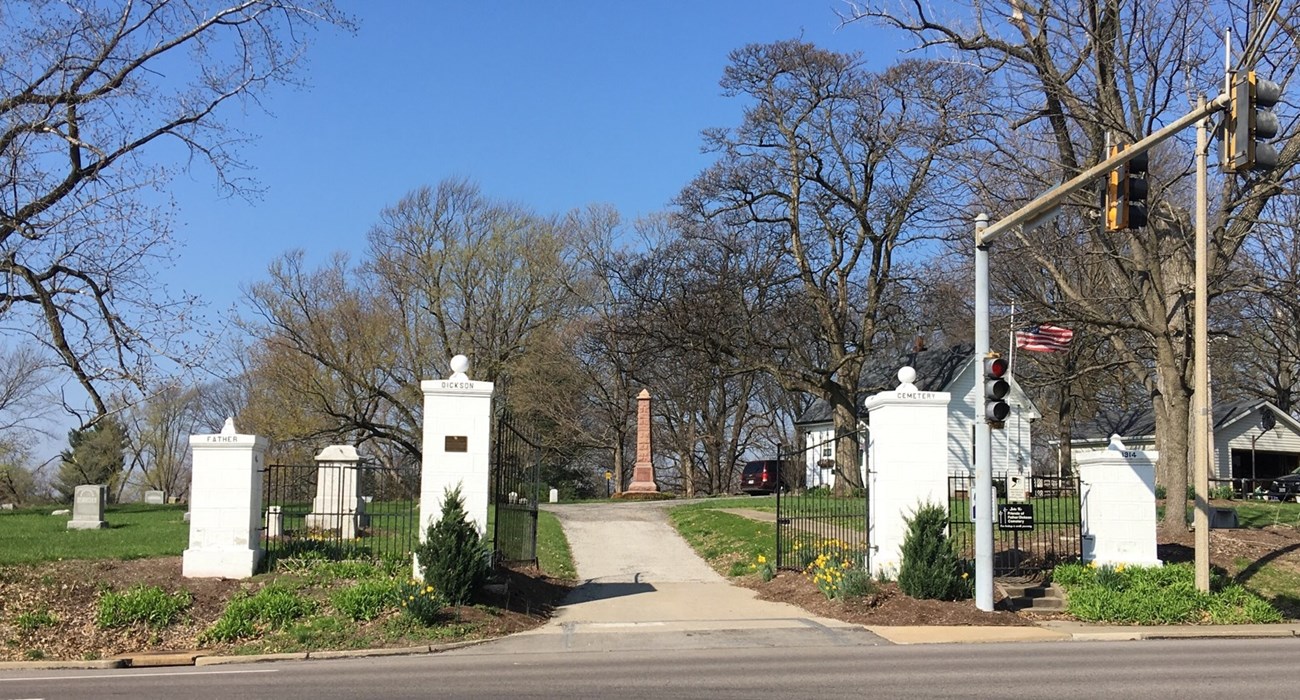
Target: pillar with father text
457 443
225 505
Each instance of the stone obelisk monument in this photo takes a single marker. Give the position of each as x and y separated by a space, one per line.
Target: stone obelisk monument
643 476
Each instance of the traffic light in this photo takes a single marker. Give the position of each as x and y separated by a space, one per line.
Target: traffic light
996 388
1126 193
1250 122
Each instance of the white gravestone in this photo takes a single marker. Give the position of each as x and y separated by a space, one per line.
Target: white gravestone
155 498
555 495
336 507
274 522
88 508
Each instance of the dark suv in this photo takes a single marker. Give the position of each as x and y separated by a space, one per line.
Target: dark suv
764 476
1286 487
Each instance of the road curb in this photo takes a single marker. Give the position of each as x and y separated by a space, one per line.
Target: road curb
97 664
338 654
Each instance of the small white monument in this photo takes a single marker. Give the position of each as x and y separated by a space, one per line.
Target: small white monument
337 505
88 508
1118 502
155 498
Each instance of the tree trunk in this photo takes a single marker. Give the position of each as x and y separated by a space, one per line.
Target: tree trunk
847 455
1173 408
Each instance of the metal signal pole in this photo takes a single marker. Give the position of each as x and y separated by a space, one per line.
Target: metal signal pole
983 432
1200 368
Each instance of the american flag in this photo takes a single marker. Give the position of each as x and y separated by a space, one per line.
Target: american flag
1044 338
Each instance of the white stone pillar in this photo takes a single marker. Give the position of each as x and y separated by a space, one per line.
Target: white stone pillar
1118 504
225 505
908 463
337 506
457 438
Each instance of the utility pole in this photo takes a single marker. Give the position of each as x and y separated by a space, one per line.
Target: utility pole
1200 367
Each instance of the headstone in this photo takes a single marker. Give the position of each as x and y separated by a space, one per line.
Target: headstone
274 522
337 506
6 506
61 511
555 495
155 498
643 475
88 508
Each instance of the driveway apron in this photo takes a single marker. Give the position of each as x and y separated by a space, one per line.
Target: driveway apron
644 587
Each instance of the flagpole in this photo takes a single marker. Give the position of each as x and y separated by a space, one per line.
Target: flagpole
1011 339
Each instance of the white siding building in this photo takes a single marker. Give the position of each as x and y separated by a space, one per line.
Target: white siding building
955 372
1244 448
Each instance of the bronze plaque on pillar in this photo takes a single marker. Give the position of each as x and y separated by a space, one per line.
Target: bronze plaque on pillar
456 443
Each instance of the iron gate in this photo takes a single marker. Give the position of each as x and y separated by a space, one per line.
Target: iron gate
516 488
811 517
1052 534
338 511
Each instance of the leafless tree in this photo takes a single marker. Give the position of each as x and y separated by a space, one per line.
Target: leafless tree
1068 78
841 169
91 93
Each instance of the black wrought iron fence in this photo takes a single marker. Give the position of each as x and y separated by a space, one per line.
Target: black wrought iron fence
813 516
1037 523
515 490
338 512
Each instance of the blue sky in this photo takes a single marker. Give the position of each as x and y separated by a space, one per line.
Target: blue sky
554 105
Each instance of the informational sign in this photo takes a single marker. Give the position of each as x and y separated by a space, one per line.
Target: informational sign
1015 516
1016 488
609 475
456 443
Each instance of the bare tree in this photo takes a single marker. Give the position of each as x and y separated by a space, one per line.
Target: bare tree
86 106
840 168
1068 78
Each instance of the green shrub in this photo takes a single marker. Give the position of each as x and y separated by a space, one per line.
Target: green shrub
272 607
367 599
148 604
452 554
1155 595
422 602
931 568
1223 492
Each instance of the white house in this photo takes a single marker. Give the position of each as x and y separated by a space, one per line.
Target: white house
953 370
1252 440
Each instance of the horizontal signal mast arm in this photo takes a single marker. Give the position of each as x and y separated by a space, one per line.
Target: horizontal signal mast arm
1054 197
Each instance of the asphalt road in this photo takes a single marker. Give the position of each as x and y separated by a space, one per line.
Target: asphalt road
1253 668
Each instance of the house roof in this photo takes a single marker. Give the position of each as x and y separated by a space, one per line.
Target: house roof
1141 424
935 370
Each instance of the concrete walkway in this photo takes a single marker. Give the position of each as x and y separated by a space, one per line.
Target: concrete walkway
643 587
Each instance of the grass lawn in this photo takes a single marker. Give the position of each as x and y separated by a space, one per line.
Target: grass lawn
135 531
1265 513
730 543
553 553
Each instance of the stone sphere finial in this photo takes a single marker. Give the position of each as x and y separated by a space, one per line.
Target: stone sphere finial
1116 444
906 376
459 367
